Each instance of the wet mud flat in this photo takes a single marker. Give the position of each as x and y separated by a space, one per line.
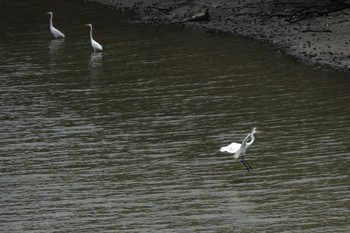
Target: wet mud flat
314 32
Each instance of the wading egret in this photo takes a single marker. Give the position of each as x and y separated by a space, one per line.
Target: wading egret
56 33
95 45
239 150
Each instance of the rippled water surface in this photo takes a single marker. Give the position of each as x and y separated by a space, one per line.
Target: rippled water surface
128 140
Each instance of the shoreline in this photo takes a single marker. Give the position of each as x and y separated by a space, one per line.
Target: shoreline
317 34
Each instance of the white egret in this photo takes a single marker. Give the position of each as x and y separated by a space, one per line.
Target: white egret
56 33
95 45
239 150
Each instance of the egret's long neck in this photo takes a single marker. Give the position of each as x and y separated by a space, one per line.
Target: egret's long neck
244 142
90 32
252 138
51 16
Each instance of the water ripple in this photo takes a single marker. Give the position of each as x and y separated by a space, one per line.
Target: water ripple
127 140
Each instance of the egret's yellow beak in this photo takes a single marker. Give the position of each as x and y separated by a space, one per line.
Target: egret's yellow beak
257 131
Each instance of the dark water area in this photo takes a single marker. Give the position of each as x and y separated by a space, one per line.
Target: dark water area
127 140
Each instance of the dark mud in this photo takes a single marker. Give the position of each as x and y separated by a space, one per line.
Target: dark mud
315 32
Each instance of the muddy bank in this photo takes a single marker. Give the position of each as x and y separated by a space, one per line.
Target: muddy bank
316 32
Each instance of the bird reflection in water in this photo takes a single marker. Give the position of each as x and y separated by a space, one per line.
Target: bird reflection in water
55 50
95 62
55 46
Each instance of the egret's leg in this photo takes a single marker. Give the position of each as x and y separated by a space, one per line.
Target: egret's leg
245 165
248 165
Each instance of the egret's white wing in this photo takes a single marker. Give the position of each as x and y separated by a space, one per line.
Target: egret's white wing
56 32
232 148
96 45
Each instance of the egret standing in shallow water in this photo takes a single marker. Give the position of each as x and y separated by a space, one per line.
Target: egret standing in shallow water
239 150
95 45
55 32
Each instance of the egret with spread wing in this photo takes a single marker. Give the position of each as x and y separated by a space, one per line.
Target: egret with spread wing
239 150
55 32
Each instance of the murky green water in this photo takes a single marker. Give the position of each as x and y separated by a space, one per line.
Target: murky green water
128 140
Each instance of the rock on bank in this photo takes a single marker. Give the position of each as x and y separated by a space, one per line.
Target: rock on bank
316 32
